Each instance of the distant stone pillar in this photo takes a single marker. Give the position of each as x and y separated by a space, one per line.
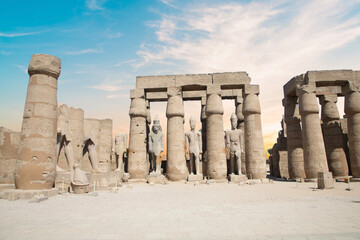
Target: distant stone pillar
215 143
294 138
137 165
352 110
36 162
313 143
239 113
254 143
203 136
334 144
176 169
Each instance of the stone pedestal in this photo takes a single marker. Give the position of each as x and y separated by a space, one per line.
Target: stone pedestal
80 189
254 143
137 163
325 180
36 162
195 178
155 178
237 178
294 139
215 143
176 169
313 143
334 145
352 110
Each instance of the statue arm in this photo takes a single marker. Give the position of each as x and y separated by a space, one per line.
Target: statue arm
162 142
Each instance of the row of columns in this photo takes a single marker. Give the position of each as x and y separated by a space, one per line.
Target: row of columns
248 112
320 148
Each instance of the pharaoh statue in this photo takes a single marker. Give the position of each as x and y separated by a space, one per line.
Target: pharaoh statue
120 149
193 147
89 146
64 142
156 146
79 176
234 145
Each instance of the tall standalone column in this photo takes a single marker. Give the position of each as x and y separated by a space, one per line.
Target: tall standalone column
254 143
239 108
294 138
203 136
137 163
313 142
334 145
36 163
352 110
176 169
215 143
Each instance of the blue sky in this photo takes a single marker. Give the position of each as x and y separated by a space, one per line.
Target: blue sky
105 44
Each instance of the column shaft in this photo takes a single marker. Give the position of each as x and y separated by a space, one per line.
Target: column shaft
176 169
240 116
254 143
313 143
36 163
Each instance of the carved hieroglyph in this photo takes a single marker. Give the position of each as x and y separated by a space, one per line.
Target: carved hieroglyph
36 163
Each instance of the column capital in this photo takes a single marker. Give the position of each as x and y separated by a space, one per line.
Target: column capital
213 89
328 98
137 93
251 89
45 64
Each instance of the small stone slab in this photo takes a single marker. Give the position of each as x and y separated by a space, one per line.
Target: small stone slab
237 178
195 178
80 189
156 178
325 180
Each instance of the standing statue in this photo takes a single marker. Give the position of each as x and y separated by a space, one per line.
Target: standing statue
234 145
193 147
120 149
89 146
156 146
64 142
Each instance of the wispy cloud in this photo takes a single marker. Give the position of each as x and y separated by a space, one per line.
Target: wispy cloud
11 35
121 95
109 87
125 62
94 5
23 68
84 51
271 40
2 52
168 3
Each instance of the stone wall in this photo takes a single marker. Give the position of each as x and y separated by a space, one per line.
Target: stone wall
9 143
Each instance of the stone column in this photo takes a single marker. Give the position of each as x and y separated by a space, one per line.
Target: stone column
137 165
334 145
294 138
176 169
36 162
215 143
239 108
313 143
352 110
254 143
203 136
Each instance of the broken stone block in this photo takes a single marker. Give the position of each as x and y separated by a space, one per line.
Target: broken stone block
325 180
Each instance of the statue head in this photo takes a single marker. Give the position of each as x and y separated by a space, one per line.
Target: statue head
192 122
233 121
156 125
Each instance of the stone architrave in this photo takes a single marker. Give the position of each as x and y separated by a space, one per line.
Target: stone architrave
137 165
176 169
313 142
254 143
334 144
216 158
294 138
239 114
352 110
36 162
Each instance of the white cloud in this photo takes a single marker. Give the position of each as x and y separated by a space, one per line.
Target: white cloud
94 5
84 51
10 35
109 87
168 3
121 95
23 68
271 40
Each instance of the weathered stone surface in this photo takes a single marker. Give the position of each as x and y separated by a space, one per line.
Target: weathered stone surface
254 143
237 178
334 145
313 143
231 78
325 180
216 159
36 162
9 143
176 163
195 177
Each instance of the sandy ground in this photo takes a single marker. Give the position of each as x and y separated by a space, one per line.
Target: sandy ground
282 210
